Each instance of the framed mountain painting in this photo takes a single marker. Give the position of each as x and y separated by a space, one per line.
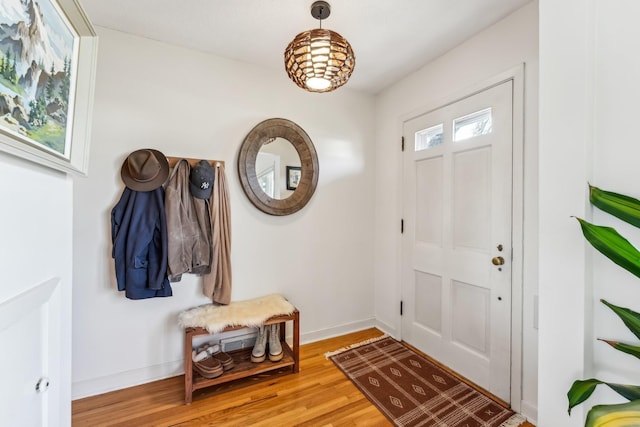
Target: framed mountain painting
47 70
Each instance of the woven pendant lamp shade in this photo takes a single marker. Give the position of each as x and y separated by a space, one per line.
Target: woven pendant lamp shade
319 60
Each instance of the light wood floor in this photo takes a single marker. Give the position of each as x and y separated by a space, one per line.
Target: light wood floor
320 395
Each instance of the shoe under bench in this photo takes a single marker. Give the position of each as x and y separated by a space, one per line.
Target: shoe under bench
244 367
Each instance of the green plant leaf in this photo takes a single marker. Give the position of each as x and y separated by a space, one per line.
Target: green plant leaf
623 207
625 348
620 415
581 390
618 249
631 392
612 245
630 318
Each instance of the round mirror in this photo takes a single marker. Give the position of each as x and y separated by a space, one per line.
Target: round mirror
278 167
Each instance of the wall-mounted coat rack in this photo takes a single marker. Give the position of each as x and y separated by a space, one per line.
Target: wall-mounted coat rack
192 162
217 283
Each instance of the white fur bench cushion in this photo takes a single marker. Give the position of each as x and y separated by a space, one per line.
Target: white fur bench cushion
252 313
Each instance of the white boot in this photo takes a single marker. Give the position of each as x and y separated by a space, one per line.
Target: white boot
259 349
275 348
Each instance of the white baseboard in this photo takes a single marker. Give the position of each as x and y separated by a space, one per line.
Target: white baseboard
117 381
387 329
530 411
336 331
125 379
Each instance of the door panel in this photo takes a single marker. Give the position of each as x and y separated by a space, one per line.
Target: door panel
429 291
470 315
457 210
471 208
429 207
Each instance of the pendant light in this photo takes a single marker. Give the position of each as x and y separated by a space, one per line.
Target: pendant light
319 60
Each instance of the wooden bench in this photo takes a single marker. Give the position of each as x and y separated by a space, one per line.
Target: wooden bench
242 358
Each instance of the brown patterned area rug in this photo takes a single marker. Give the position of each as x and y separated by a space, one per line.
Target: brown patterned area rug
411 391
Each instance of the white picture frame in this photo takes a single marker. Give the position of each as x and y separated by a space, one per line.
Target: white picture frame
49 87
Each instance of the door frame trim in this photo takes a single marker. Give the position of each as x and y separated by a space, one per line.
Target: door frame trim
516 75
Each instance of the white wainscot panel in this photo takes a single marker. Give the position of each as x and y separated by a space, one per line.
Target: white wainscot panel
30 357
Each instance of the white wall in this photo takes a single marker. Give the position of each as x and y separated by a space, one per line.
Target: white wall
616 155
186 103
35 246
510 42
565 139
588 115
594 120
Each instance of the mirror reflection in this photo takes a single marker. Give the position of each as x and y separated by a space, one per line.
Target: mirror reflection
275 162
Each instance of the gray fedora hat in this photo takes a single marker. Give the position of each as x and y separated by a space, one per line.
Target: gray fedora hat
145 170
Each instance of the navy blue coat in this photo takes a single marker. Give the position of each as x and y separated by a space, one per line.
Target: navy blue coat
139 237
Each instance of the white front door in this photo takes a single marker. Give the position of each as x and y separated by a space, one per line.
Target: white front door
457 231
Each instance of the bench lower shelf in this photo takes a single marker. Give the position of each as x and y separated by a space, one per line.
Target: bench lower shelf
244 367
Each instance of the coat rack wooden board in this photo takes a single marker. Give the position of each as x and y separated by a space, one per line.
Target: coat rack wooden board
192 162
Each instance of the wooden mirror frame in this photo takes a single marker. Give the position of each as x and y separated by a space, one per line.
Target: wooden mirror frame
255 139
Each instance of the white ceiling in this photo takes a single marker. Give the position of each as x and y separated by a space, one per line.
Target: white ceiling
391 38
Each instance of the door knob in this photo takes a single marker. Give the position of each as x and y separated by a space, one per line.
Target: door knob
42 385
497 260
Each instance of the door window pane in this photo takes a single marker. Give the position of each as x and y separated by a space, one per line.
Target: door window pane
472 125
429 138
